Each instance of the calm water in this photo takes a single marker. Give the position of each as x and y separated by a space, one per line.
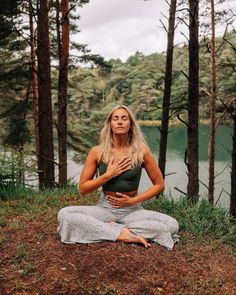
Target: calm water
175 161
175 166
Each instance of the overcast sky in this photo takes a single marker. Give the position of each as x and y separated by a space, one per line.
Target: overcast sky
119 28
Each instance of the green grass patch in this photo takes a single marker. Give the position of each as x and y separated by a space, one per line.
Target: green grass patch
27 269
16 224
108 291
201 219
15 191
32 204
21 251
2 223
3 239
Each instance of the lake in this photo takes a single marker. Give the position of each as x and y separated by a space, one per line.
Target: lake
175 166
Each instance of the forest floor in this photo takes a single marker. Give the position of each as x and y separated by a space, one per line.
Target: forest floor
34 261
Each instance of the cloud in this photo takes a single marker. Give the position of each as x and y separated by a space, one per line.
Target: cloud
98 12
119 28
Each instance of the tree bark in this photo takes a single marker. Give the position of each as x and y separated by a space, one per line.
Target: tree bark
167 89
34 80
46 153
63 50
233 171
211 149
193 97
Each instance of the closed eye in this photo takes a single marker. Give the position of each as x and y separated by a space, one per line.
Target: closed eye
123 118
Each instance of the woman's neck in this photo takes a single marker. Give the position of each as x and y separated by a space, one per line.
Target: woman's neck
120 142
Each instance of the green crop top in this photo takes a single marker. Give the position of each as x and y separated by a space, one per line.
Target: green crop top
126 182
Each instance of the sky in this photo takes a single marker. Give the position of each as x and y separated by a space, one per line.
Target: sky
119 28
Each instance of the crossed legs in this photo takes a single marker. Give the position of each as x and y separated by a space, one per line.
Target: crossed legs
89 224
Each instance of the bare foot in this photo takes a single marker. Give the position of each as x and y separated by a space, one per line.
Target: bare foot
128 237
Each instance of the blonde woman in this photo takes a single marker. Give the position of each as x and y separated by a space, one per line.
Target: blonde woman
119 215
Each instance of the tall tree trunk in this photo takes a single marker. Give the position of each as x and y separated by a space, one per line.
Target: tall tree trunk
46 153
63 50
193 97
211 149
233 171
21 164
34 79
167 90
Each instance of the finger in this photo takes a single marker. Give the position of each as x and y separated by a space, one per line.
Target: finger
127 164
124 160
111 160
115 205
125 167
113 201
120 194
111 197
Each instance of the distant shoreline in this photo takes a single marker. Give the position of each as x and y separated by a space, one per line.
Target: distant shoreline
171 123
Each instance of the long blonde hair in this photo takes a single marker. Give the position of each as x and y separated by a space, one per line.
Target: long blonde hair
136 141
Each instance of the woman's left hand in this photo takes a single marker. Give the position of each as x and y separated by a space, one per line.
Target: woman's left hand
120 200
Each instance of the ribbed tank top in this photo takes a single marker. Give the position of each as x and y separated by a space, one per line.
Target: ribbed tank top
126 182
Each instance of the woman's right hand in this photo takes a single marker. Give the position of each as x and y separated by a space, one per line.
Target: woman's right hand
116 168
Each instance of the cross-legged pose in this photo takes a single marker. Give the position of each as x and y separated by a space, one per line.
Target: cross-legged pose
119 215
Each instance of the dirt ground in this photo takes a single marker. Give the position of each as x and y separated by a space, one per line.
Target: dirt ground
34 261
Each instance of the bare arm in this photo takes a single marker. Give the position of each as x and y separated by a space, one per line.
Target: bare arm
155 176
88 183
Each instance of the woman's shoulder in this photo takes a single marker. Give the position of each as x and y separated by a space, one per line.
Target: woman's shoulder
146 152
146 149
95 152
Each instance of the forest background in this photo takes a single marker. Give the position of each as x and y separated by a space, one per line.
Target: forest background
49 96
52 100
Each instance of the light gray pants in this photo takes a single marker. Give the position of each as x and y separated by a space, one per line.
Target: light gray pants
90 224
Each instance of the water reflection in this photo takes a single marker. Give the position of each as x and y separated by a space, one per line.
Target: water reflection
176 168
177 141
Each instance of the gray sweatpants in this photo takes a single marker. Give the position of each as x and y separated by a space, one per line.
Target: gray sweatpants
90 224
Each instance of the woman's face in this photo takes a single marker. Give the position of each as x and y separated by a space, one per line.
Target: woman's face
120 122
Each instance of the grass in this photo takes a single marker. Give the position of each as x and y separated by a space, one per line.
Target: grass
201 220
3 239
32 203
15 191
34 260
108 291
27 269
16 224
21 251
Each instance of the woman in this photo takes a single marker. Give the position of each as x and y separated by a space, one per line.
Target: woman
118 216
